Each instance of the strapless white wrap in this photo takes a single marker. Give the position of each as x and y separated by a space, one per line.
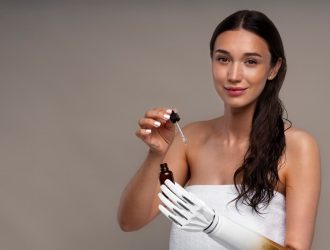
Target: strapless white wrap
270 223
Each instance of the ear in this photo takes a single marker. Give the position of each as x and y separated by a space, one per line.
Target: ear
274 70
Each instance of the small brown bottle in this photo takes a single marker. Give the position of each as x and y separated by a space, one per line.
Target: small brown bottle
165 173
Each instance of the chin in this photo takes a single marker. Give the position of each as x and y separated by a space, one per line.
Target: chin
238 104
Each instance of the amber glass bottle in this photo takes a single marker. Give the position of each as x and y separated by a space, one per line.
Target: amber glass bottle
165 173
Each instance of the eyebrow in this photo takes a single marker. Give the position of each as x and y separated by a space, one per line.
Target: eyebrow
245 54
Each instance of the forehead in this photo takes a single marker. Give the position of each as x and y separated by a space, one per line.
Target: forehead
241 41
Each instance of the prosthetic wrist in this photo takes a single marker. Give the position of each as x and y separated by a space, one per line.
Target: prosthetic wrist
190 213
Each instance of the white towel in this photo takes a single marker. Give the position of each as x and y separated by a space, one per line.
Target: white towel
271 223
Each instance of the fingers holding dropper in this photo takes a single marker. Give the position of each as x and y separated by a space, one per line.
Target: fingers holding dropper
154 119
160 114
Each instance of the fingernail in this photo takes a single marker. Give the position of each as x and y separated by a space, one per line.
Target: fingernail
166 116
157 124
169 111
148 131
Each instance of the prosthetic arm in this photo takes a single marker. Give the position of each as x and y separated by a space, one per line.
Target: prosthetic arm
191 214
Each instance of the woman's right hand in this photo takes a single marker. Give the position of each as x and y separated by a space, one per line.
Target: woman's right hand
156 130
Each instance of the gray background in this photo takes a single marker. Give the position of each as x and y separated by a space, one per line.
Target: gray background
77 75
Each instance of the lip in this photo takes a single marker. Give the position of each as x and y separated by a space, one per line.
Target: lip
235 91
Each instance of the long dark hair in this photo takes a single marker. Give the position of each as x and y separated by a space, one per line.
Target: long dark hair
258 174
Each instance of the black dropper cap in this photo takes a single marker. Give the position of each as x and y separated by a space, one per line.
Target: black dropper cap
174 117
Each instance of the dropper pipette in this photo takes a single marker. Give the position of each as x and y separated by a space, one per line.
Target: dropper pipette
175 118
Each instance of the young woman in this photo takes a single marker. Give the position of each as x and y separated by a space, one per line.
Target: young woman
249 165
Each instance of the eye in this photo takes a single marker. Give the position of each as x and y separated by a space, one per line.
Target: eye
251 61
222 59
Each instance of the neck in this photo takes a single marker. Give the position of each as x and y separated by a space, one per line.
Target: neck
237 124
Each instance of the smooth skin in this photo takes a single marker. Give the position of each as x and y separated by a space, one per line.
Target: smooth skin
216 147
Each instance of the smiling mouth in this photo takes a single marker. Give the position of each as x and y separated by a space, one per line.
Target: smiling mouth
235 91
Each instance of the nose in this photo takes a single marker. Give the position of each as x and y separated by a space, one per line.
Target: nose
234 73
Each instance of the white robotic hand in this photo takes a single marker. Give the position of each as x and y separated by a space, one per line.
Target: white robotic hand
185 209
190 213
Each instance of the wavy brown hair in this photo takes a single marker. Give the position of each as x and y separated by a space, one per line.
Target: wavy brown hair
258 175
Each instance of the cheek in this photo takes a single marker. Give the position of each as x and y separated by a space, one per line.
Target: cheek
219 80
256 78
218 73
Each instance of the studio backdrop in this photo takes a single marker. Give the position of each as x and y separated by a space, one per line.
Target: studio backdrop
75 76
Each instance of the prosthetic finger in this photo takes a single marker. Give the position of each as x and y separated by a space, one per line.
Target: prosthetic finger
190 198
175 199
177 220
191 224
174 209
180 192
192 217
189 221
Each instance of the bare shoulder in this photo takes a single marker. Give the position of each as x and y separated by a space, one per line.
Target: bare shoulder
302 155
302 187
299 141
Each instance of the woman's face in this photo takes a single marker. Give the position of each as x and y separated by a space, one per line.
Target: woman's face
240 67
